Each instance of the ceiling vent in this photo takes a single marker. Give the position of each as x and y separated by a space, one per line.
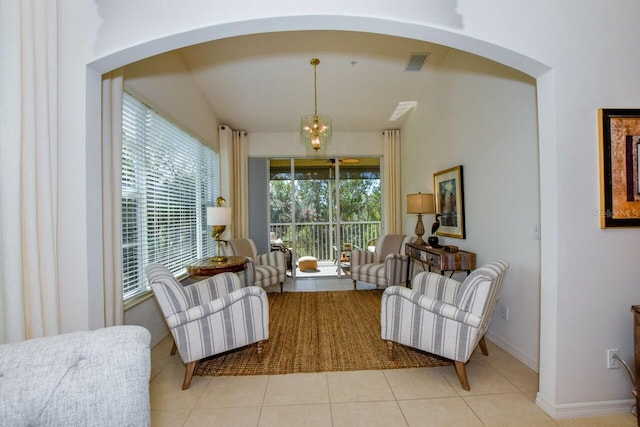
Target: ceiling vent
416 60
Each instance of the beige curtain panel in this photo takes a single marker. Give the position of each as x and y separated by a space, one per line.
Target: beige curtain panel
29 292
234 157
392 200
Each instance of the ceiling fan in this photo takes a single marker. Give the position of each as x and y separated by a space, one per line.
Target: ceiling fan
341 161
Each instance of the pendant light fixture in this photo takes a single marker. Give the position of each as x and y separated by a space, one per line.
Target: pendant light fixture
316 128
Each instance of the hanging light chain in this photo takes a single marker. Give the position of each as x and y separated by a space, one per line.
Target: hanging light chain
315 62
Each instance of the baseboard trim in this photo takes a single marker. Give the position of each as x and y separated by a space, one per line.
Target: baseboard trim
584 409
532 364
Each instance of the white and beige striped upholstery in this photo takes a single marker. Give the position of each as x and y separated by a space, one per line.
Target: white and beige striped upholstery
443 316
386 266
210 316
262 270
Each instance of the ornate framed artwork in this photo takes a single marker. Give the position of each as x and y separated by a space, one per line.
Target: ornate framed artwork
619 167
449 200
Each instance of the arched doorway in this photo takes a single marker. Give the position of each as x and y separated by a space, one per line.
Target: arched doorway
545 82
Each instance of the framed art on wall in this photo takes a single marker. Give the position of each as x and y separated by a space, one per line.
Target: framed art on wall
619 167
449 200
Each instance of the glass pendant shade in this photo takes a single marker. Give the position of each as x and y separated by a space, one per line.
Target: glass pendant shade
315 128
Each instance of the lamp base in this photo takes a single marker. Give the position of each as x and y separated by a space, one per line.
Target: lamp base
433 242
219 259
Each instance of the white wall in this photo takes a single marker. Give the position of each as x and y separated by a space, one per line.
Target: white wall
165 84
289 145
482 115
583 60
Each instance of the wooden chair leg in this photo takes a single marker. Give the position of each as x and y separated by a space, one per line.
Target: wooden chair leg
390 348
461 370
188 374
483 346
259 350
174 348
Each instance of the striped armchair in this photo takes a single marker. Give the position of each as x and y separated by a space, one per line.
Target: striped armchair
262 270
443 316
210 316
386 266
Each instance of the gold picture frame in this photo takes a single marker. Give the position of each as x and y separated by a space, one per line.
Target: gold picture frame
619 167
448 192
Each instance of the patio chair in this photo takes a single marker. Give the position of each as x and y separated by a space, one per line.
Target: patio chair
386 266
263 270
443 316
211 316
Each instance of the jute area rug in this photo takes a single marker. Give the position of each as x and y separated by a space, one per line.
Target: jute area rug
319 332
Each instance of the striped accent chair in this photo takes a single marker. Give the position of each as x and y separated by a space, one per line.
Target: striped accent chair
210 316
263 270
386 266
443 316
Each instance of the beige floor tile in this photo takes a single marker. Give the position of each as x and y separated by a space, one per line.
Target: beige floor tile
622 420
166 392
160 355
234 392
228 417
525 423
419 383
169 417
367 414
483 379
296 415
304 285
335 285
495 352
358 386
445 412
365 286
520 375
293 389
502 409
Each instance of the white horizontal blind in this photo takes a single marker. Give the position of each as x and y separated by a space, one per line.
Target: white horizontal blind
168 180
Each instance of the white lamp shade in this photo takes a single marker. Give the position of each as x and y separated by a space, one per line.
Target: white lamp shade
218 215
420 203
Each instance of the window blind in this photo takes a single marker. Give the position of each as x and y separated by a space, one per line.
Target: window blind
168 180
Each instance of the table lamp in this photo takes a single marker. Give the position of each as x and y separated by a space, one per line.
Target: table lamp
219 217
420 204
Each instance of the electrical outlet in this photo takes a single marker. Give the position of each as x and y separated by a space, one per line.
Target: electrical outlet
613 363
505 312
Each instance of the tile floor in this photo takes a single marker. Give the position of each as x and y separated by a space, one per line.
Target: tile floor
503 392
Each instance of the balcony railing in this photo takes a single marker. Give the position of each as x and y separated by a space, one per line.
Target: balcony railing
318 238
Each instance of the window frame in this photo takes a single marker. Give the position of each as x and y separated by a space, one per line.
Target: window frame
169 177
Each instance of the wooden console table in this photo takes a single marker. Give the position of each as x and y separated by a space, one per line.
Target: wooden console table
439 259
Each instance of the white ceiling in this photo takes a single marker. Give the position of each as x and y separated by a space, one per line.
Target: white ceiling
264 83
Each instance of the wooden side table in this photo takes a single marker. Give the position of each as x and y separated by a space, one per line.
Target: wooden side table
439 259
204 267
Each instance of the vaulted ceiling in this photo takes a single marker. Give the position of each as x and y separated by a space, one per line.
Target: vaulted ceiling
264 82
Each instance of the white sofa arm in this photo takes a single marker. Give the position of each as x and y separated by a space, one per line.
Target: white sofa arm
92 378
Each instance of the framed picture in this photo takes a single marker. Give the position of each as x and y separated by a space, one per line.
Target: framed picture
449 199
619 167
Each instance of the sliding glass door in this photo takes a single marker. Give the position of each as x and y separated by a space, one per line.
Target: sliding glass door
324 208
